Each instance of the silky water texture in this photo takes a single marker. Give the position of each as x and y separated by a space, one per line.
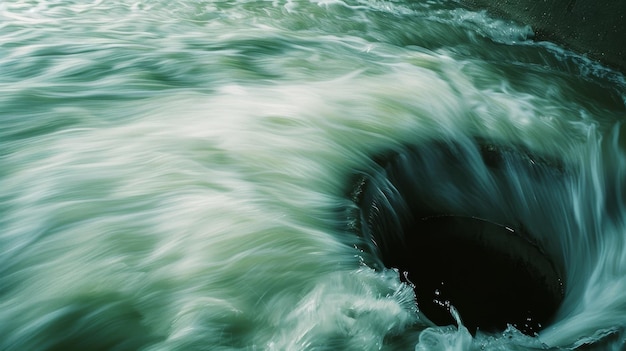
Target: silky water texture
173 173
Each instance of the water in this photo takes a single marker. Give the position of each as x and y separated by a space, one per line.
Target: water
173 174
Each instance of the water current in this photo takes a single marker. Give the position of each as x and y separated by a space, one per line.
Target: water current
173 174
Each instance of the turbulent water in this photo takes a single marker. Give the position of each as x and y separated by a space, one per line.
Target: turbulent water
174 174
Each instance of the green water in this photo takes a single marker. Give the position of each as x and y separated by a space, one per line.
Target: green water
173 173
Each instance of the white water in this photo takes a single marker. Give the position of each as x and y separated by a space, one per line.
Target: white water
173 174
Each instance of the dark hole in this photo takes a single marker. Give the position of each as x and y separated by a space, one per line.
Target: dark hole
489 273
493 273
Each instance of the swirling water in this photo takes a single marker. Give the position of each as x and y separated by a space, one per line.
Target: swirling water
173 173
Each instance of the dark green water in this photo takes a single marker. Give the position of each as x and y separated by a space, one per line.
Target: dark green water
171 171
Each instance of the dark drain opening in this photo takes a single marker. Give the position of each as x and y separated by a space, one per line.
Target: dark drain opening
456 255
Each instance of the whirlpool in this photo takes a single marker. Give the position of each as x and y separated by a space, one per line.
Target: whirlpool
305 175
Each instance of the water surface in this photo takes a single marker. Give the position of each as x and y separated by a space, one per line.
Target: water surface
173 173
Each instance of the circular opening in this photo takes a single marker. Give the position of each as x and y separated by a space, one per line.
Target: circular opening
441 214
